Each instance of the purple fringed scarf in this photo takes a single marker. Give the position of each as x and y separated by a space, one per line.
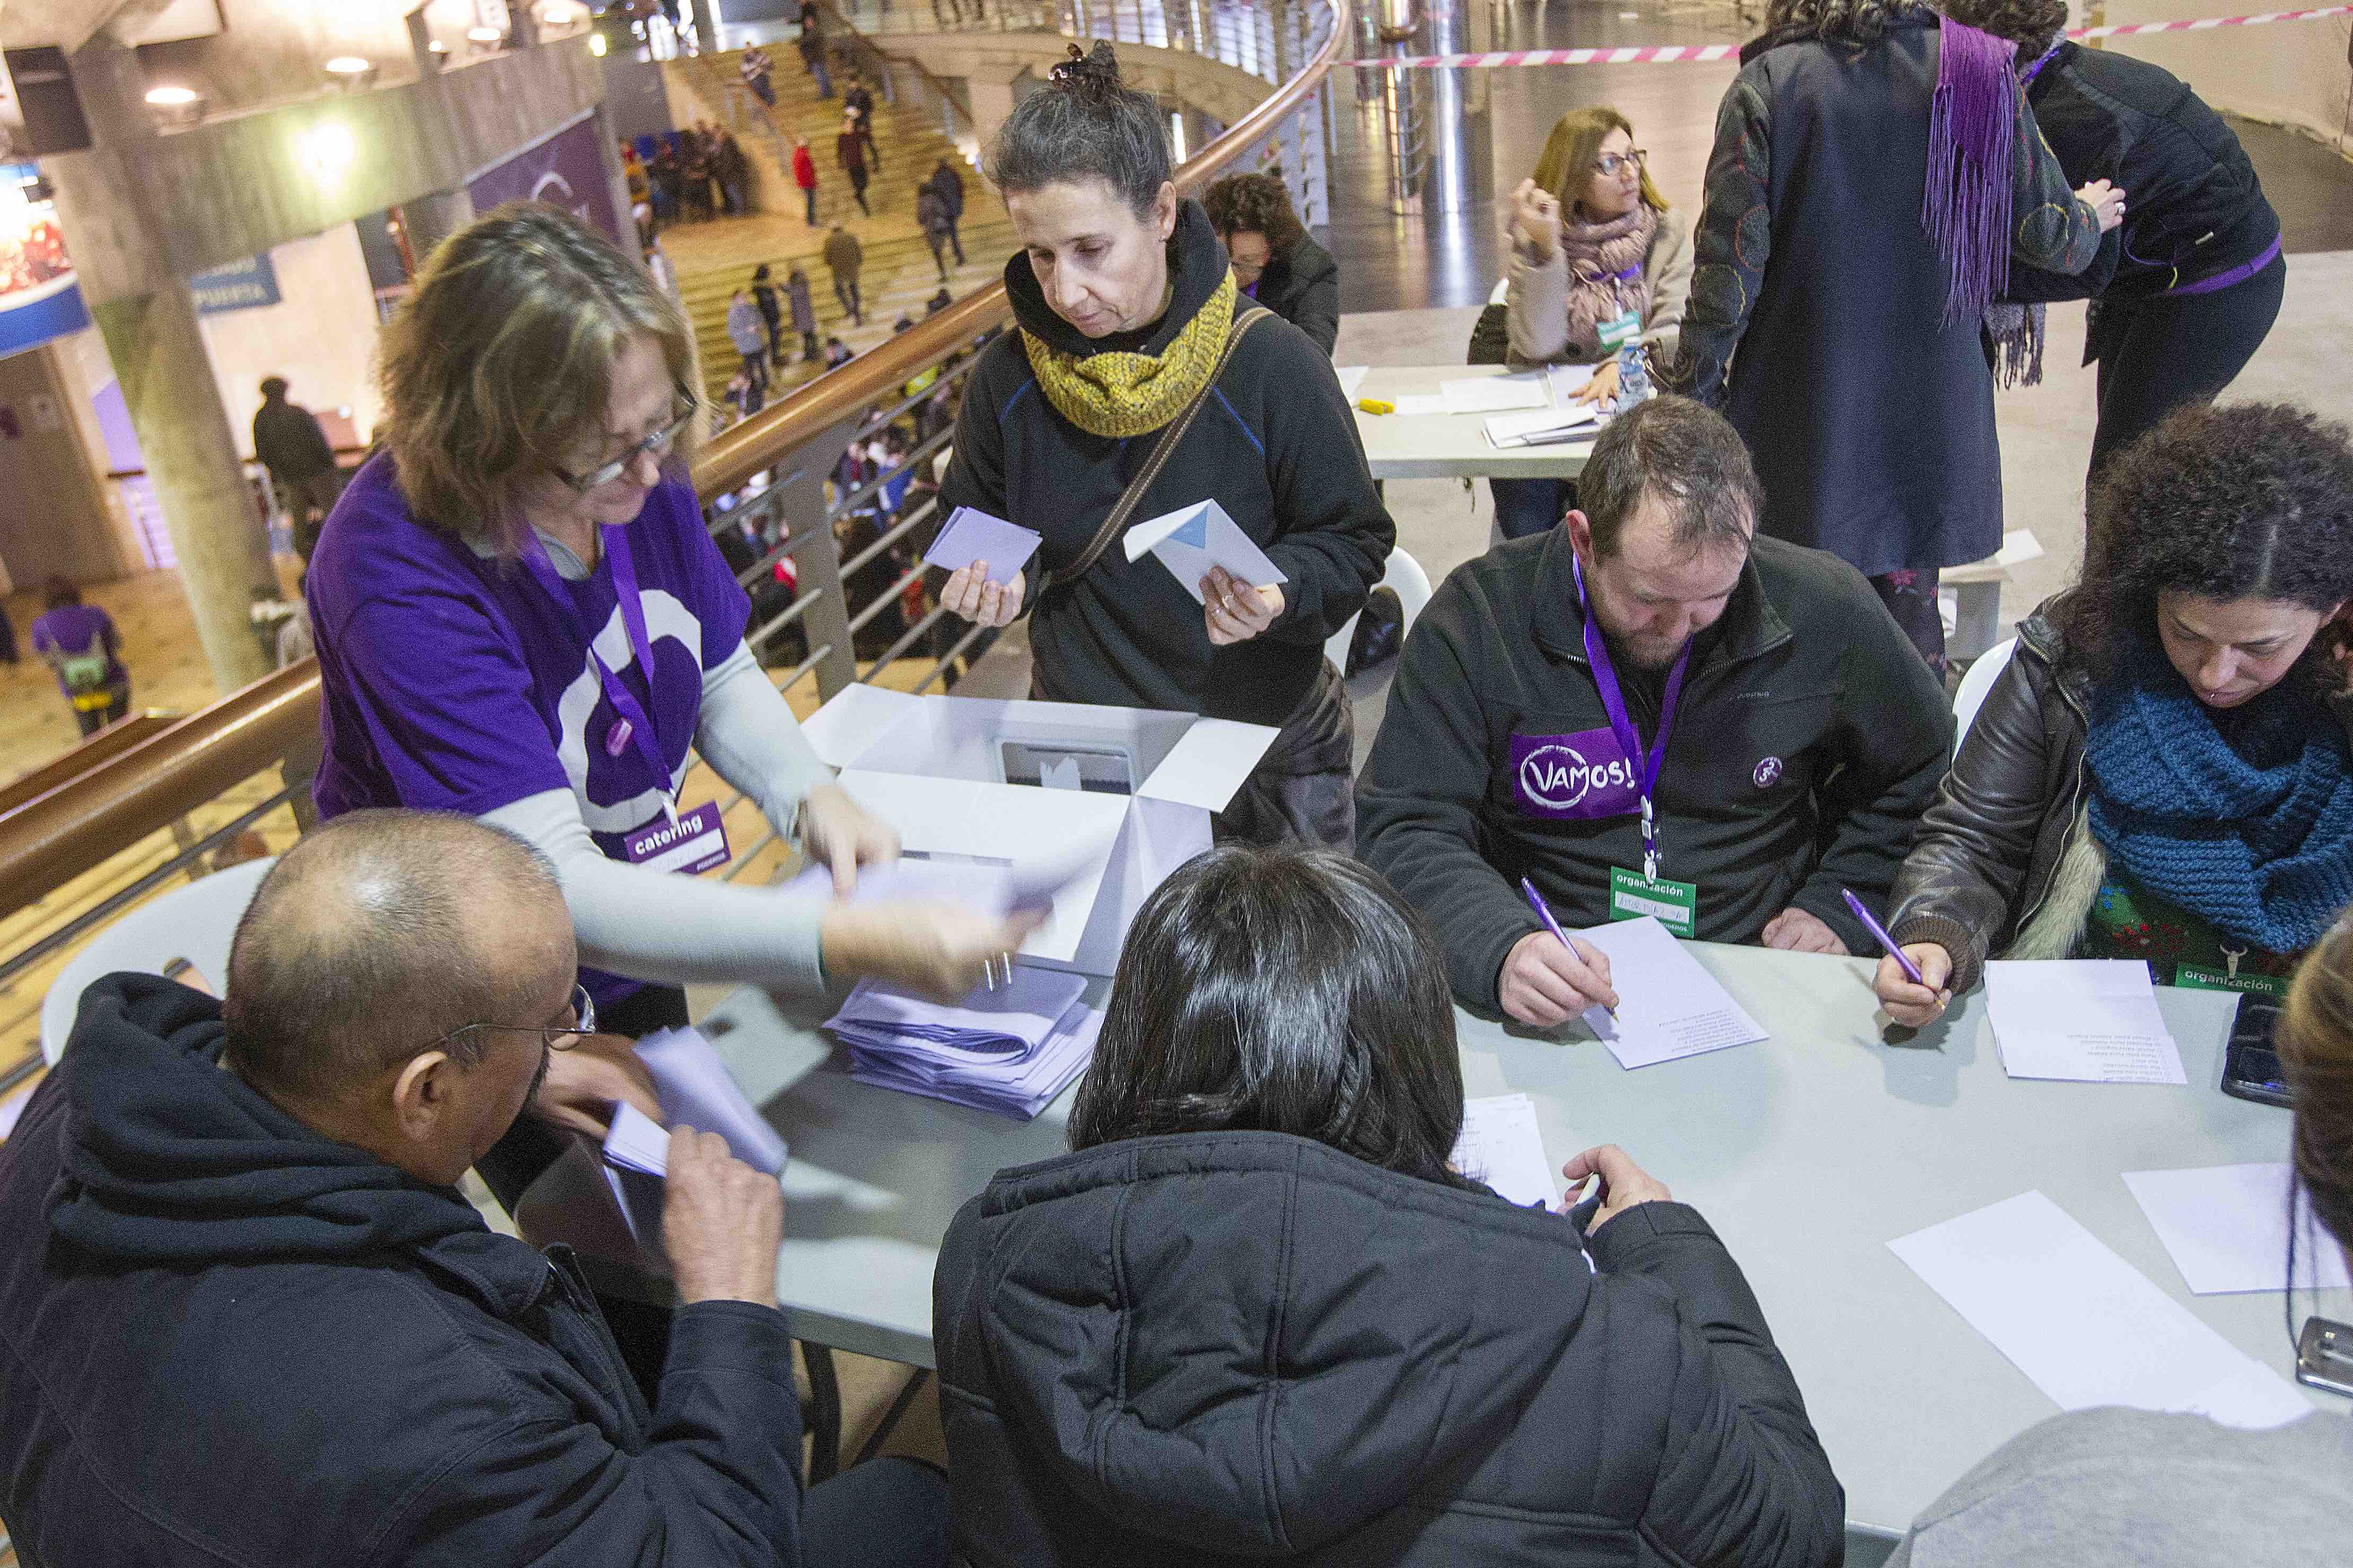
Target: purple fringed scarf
1972 124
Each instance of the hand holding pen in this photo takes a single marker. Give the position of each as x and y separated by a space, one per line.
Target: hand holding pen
1911 982
1549 977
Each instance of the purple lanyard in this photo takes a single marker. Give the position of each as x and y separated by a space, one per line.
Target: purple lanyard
633 725
1621 724
2026 78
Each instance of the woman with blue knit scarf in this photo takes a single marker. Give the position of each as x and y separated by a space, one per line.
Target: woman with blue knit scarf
2163 771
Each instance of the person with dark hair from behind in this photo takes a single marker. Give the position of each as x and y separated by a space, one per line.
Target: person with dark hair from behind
1876 169
2185 290
1138 360
2164 771
250 1318
2142 1488
949 184
83 650
1647 709
290 442
1274 262
1255 1314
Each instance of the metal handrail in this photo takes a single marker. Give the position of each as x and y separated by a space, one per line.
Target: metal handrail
72 828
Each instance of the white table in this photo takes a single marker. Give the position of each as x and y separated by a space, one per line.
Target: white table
1807 1153
1449 445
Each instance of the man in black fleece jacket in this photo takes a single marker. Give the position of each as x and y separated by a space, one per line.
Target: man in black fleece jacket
248 1318
1804 739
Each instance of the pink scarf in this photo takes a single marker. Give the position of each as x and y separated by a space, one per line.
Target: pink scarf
1605 274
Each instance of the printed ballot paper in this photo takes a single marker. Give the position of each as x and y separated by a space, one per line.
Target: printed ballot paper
2226 1228
695 1089
2086 1020
1545 427
2085 1326
1009 1049
969 536
1195 538
1502 1146
1668 1006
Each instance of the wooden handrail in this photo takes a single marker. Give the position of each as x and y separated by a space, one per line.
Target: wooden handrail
97 814
104 747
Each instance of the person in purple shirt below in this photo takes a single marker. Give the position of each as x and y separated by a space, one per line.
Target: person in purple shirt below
522 616
80 643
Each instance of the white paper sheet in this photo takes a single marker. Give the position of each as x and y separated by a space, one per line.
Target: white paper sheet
695 1087
2018 547
1567 381
1502 1146
1496 393
636 1142
2226 1228
2085 1326
1193 539
2084 1020
1543 427
1352 378
1668 1006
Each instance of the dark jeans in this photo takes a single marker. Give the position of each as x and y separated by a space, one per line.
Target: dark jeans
891 1512
1910 596
1303 790
938 240
93 720
808 195
845 290
2157 354
809 346
1523 506
955 240
858 189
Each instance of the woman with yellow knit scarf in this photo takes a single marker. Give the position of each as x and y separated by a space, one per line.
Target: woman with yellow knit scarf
1131 332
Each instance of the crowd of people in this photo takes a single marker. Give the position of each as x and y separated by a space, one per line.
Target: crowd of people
1254 1313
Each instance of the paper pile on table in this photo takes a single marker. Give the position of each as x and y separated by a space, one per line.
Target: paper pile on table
1545 427
1010 1050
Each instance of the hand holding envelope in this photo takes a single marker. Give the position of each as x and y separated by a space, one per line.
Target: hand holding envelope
1219 564
984 556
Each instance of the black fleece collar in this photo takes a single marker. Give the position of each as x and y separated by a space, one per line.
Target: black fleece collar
1196 265
1749 626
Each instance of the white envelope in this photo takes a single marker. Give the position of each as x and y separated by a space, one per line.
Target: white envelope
1195 538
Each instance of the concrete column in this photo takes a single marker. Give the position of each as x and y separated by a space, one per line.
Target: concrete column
992 105
432 219
149 322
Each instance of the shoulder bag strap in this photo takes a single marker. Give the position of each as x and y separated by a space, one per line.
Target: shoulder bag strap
1116 522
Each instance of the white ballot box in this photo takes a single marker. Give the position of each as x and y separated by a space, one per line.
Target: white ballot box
1111 800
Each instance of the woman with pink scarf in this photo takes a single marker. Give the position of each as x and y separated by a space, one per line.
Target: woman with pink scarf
1597 262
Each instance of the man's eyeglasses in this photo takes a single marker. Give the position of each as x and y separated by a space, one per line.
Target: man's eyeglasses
658 443
584 1024
1608 164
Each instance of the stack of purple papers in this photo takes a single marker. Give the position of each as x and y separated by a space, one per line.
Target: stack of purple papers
1010 1050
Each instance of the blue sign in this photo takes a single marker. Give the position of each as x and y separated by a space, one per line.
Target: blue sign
239 286
38 297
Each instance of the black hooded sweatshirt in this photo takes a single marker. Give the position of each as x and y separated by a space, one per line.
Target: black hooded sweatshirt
229 1339
1275 445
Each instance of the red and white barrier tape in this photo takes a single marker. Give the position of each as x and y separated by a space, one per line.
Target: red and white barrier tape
1667 54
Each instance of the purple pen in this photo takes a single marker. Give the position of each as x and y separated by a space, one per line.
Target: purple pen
1544 913
1878 934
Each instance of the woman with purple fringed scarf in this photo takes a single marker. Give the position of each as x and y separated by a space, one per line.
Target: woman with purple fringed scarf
1877 169
2185 293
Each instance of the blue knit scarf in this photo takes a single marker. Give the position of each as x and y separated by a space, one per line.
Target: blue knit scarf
2243 816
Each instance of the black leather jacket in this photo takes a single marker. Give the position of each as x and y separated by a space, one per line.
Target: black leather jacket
1990 844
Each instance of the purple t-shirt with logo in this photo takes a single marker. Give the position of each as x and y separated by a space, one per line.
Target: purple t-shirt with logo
457 683
78 630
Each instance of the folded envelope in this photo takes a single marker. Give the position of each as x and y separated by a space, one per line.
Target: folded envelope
969 536
1195 538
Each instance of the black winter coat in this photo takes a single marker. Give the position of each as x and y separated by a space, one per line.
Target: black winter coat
229 1339
1230 1347
289 441
1275 444
1302 287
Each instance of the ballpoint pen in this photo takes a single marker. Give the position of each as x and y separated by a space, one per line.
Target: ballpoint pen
1544 913
1878 934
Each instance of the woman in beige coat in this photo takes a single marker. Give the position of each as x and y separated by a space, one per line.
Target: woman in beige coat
1597 262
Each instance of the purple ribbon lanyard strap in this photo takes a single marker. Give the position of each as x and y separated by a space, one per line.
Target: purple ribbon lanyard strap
1621 724
633 726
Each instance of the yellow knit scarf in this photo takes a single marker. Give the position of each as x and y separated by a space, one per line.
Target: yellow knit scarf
1125 394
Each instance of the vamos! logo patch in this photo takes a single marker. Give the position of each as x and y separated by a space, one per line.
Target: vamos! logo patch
1576 777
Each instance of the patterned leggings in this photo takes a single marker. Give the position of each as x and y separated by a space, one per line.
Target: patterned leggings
1910 596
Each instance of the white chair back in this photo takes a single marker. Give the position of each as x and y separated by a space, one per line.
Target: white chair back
1979 680
192 925
1412 584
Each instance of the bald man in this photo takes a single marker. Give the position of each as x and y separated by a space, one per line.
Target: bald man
247 1318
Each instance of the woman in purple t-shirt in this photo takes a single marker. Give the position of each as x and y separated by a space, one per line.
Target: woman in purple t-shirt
80 643
520 615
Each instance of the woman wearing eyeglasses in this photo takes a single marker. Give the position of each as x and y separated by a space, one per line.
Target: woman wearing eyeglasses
1597 262
520 615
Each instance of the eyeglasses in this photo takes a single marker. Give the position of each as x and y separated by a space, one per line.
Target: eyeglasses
1608 164
584 1024
658 445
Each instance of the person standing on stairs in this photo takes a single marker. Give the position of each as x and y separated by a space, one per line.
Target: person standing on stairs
849 152
757 70
843 257
772 313
859 98
805 176
933 214
812 47
950 185
804 311
744 331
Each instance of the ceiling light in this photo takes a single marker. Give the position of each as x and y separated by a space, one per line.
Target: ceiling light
347 65
483 34
596 45
171 97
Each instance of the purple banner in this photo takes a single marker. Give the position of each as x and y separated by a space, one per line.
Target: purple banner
1573 778
567 170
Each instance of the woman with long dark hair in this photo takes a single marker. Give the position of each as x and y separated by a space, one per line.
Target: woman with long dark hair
1258 1314
1140 382
2164 771
1885 164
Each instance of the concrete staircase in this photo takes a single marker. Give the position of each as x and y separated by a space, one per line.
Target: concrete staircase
713 259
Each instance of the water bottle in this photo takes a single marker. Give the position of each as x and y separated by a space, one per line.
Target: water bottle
1633 377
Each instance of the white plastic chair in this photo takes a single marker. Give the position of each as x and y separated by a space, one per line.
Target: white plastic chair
1979 680
192 925
1412 584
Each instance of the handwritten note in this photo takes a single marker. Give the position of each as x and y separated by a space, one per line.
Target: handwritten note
1502 1146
